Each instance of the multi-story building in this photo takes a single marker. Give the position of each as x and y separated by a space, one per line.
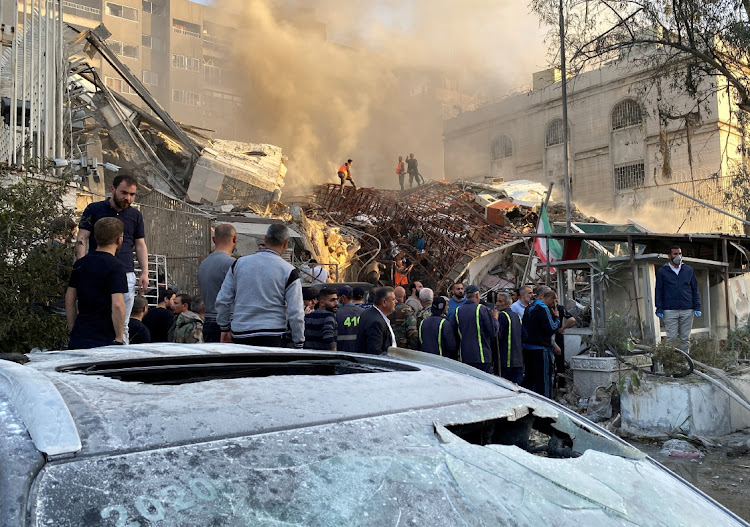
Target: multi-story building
178 48
629 142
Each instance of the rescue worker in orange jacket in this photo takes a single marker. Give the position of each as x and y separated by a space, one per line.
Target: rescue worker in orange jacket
345 173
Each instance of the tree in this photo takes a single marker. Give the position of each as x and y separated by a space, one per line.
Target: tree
691 40
34 269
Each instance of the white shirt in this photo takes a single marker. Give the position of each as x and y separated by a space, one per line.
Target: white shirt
676 269
320 275
393 335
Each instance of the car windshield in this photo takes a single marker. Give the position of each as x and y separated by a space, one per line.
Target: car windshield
389 470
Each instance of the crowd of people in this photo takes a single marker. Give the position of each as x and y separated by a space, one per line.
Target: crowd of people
259 300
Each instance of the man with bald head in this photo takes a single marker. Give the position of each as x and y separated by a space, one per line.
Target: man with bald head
211 274
404 322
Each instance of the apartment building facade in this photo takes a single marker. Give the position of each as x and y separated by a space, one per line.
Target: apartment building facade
179 49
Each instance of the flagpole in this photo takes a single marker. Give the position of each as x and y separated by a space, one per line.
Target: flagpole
532 251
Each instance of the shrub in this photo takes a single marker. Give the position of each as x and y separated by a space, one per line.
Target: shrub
33 270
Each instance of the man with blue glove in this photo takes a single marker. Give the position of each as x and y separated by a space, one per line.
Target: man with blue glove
677 298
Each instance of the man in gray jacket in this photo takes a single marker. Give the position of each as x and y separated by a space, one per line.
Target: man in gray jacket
266 293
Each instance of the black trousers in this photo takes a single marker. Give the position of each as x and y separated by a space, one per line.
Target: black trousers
268 341
211 332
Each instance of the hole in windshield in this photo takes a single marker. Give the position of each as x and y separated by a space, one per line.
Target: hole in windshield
199 368
533 434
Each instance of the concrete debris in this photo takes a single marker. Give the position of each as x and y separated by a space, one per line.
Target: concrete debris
438 226
243 173
680 448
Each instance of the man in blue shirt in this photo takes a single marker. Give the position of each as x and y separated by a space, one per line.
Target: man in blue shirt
118 206
677 298
457 298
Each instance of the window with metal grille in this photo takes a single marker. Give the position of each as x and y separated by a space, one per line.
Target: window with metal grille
502 147
118 85
122 11
186 97
554 135
148 7
186 63
629 176
150 77
123 49
626 113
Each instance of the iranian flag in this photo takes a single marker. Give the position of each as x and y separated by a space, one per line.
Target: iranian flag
540 244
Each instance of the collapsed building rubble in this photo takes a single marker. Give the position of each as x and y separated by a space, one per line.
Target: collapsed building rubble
169 157
454 231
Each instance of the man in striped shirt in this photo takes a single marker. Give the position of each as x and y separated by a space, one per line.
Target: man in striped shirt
321 328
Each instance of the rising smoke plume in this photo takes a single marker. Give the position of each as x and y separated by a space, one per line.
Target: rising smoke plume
348 90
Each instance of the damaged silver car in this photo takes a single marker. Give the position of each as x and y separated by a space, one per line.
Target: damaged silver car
227 435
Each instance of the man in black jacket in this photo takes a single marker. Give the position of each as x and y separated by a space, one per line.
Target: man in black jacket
677 298
375 335
540 322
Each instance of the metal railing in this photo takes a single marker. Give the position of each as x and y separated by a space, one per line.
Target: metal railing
85 11
181 31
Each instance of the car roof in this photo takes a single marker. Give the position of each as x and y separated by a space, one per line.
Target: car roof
113 415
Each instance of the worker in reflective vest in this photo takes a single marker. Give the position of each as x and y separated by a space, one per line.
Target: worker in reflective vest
401 273
347 318
345 173
509 341
436 333
475 326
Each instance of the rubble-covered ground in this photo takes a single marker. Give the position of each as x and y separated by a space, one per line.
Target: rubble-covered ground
723 473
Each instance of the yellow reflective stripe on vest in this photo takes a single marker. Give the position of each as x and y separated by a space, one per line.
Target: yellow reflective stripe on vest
509 326
458 328
440 335
420 332
479 335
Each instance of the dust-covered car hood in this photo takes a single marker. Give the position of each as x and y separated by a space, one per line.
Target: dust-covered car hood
426 442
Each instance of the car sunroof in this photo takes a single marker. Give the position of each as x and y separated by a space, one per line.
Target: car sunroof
197 368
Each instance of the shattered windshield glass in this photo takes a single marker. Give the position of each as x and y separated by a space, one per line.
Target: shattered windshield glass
390 470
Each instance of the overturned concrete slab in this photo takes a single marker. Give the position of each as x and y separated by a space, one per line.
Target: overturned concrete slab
243 173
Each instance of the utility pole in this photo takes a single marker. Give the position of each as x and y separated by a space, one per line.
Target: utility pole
564 72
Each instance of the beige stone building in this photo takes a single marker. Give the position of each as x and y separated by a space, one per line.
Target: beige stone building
625 153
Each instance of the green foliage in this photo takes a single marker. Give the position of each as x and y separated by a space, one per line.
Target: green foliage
737 344
616 336
33 272
686 43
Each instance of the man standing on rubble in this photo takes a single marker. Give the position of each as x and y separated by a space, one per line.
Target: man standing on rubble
211 273
266 293
677 298
345 173
475 326
413 169
401 171
118 206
